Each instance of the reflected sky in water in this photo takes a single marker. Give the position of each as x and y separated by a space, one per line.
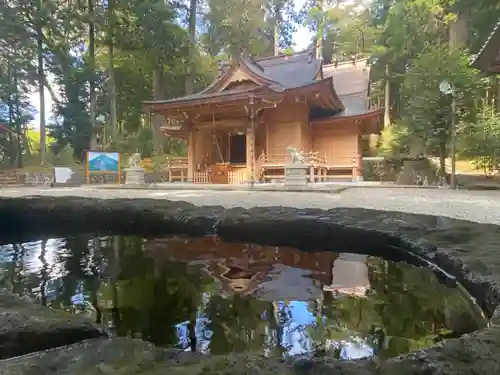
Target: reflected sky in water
293 336
211 296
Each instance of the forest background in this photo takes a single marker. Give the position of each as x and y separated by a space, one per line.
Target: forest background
105 57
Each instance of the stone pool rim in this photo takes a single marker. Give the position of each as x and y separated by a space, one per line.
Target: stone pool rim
373 231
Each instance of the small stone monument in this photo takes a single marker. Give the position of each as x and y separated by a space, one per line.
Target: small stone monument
418 171
296 173
134 174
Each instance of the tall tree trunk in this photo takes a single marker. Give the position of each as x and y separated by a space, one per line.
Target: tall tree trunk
321 29
10 111
387 96
189 85
276 29
458 32
92 94
442 159
19 131
41 82
276 38
111 70
158 119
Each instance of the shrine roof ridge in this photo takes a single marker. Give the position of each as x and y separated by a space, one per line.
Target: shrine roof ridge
486 50
289 71
231 95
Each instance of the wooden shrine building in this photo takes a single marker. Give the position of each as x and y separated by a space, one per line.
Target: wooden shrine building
239 128
488 58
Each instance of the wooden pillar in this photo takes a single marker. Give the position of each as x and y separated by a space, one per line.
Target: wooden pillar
357 168
357 172
268 147
250 142
191 159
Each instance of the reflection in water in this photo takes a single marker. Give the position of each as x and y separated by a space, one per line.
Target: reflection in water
211 296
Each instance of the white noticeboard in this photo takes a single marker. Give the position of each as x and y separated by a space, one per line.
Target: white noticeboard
65 176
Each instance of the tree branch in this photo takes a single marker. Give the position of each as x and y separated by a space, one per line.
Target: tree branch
51 91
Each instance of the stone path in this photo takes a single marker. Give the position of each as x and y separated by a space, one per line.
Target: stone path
478 206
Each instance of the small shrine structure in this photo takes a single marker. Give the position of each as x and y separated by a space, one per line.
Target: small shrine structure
239 128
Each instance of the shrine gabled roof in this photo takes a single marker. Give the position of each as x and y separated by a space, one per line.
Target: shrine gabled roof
347 82
281 72
489 52
232 96
278 73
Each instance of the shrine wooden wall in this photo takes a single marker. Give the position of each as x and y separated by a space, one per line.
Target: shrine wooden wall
278 128
286 126
202 146
337 141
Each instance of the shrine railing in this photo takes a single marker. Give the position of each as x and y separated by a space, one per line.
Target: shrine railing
238 176
315 159
202 177
310 158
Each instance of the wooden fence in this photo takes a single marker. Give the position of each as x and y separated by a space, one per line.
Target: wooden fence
14 177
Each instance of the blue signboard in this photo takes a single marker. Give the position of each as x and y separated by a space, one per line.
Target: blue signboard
98 161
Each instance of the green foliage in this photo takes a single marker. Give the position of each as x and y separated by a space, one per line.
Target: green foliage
33 137
72 122
427 111
233 25
381 170
283 15
395 140
141 142
346 29
480 143
16 78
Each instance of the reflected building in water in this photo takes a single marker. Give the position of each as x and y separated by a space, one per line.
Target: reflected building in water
349 275
212 296
268 273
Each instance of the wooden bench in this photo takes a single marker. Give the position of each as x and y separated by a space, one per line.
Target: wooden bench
177 169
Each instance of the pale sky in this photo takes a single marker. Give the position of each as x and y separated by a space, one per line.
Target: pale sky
34 100
301 39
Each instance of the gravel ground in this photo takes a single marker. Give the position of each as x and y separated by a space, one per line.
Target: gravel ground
479 206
